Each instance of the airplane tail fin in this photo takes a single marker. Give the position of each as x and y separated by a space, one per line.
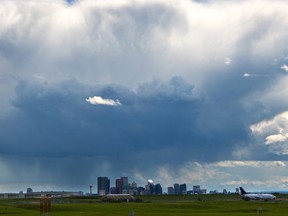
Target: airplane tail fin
242 191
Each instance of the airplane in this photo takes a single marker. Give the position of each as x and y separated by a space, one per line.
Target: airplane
260 196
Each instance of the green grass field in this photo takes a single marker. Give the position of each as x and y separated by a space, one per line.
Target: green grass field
215 205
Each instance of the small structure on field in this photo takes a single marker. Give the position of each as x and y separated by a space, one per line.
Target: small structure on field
260 211
45 206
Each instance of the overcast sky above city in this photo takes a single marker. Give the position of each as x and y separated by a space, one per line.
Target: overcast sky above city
179 91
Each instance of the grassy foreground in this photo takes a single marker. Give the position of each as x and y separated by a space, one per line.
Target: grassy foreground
215 205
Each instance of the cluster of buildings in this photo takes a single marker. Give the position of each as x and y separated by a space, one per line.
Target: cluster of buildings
122 186
31 194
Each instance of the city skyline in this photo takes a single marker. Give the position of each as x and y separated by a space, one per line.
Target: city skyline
181 91
123 186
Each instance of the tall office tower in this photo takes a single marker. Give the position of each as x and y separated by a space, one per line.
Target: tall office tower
150 187
176 188
103 185
118 184
124 181
170 190
158 189
183 189
125 185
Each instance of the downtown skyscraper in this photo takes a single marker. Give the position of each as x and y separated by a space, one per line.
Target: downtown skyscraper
103 184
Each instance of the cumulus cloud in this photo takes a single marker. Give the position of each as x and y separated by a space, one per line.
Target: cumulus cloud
97 100
276 138
274 132
285 67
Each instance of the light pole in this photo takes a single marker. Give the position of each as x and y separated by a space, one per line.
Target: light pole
90 190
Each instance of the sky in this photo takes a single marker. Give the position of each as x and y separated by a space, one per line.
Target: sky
179 91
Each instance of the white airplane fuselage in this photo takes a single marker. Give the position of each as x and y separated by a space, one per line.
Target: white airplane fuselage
260 196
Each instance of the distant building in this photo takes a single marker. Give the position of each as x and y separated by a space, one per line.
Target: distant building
170 190
103 186
196 189
125 182
133 184
122 185
237 191
118 184
158 189
133 189
183 189
203 191
113 190
189 192
40 194
125 185
141 191
150 187
29 190
176 188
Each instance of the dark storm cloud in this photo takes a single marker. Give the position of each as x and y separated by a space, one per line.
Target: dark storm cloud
155 116
193 79
57 127
58 123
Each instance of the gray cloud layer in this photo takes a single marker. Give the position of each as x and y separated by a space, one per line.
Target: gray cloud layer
193 77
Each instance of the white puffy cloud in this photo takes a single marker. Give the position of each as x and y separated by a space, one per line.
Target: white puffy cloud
97 100
285 67
274 132
275 138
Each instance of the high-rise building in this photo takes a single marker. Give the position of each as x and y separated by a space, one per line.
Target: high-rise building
103 185
150 187
170 190
118 184
176 188
124 181
183 189
158 189
125 185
